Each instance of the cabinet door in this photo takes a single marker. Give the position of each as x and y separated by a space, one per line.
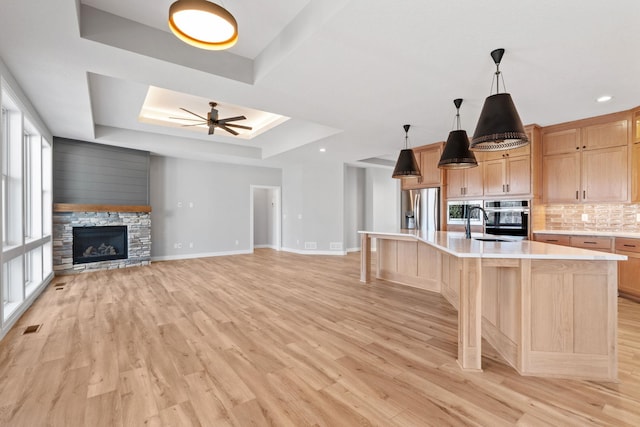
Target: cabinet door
519 174
431 173
636 126
565 141
635 173
612 134
474 181
561 178
455 182
604 175
494 178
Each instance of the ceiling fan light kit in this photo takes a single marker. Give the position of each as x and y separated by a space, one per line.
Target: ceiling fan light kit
406 166
203 24
499 126
456 153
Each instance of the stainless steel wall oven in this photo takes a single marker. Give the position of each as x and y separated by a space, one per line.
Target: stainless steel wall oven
507 218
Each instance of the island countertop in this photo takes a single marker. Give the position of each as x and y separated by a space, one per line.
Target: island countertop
456 244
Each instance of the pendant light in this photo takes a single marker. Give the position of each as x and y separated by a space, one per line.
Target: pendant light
456 154
406 166
203 24
499 126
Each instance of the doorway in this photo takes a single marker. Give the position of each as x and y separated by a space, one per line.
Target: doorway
266 217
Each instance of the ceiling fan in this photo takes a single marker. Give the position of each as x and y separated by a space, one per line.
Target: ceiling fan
213 122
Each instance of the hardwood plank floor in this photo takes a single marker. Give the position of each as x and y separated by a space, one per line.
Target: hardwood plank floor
276 339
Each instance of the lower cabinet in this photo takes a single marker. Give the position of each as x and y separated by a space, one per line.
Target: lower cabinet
629 271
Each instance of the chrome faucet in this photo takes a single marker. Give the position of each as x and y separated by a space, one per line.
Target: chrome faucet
467 226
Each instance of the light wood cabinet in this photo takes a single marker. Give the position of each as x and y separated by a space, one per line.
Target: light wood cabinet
604 244
635 172
507 176
463 183
587 163
428 157
629 271
604 175
554 239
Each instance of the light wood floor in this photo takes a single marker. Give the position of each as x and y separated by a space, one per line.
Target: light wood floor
275 339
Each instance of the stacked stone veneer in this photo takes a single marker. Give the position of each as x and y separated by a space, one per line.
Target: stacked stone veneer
139 239
613 217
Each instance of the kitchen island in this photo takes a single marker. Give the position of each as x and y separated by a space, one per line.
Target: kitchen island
548 310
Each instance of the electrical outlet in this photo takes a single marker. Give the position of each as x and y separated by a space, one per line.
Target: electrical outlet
637 217
177 245
237 242
585 217
179 204
191 244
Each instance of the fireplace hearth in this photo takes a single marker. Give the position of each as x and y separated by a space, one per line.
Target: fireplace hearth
99 243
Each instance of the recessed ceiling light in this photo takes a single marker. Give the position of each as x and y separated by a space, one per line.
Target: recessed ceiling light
604 98
322 150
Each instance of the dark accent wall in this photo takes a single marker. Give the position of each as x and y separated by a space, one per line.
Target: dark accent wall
86 172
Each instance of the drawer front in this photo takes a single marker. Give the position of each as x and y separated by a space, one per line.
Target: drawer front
556 239
599 243
627 245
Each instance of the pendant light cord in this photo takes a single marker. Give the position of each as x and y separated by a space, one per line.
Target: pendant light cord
498 75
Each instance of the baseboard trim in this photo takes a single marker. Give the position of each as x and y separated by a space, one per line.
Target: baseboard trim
200 255
314 252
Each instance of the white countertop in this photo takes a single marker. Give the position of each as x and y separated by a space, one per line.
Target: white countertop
456 244
627 234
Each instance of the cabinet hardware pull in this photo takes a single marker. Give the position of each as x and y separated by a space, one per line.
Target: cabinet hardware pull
577 148
629 246
503 188
552 240
508 188
591 243
584 194
584 146
577 194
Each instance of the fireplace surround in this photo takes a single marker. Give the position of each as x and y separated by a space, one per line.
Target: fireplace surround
136 220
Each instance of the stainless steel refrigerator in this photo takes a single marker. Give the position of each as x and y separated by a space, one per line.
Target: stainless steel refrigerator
420 209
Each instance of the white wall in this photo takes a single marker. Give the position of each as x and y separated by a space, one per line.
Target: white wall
382 200
204 207
313 207
354 206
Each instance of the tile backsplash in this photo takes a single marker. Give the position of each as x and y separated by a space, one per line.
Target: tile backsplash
592 217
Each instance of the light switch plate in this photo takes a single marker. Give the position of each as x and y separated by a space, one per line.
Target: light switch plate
585 217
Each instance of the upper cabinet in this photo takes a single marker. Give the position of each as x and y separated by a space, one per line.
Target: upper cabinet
428 157
635 156
508 173
587 161
464 183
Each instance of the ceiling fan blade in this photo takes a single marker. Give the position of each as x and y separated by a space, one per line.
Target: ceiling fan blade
238 126
191 112
232 119
211 129
231 131
184 118
195 124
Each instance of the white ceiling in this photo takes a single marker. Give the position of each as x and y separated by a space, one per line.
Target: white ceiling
349 73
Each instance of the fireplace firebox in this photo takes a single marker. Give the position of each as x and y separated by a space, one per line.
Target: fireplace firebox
100 243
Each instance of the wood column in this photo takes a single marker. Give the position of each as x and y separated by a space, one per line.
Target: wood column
470 315
365 257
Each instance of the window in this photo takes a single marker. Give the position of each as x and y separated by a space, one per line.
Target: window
4 156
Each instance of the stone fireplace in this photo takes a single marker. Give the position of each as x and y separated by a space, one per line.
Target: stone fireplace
100 237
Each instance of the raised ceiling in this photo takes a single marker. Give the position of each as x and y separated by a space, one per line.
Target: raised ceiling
349 74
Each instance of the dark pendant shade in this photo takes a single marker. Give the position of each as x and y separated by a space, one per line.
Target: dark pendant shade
499 126
456 153
406 166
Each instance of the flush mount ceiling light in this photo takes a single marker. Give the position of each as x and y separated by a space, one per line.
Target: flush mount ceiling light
203 24
456 154
406 166
604 98
499 126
